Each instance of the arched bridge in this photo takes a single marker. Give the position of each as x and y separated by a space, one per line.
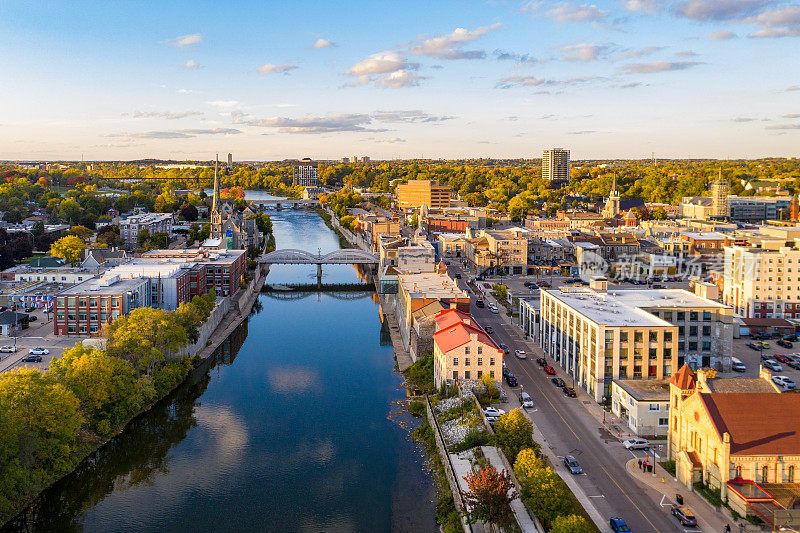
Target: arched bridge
345 256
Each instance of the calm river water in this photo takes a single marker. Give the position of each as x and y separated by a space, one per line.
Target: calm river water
296 427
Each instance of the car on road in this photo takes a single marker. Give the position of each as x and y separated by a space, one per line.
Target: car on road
618 525
550 370
493 411
684 515
772 365
479 303
32 359
785 382
511 379
489 330
754 346
558 382
504 348
783 343
525 400
39 351
520 354
494 310
544 283
635 444
541 361
8 349
572 465
569 391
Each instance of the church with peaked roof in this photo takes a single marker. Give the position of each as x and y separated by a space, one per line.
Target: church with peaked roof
233 229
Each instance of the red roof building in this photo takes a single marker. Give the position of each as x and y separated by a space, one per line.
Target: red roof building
463 350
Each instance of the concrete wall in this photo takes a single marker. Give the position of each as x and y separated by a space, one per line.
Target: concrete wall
222 307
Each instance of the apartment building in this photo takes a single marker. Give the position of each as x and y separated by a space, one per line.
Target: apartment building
417 193
434 224
555 165
221 270
85 308
597 336
305 173
130 227
462 350
762 282
505 250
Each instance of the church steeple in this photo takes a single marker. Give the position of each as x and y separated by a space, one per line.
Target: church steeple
614 192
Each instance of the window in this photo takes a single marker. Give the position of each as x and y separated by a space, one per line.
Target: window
82 329
693 316
491 361
706 331
71 315
92 302
667 336
681 331
82 302
491 374
693 331
480 374
480 362
790 475
662 422
764 474
71 328
466 374
681 316
692 345
706 346
706 316
653 335
455 374
103 316
466 361
466 350
60 301
93 328
654 407
623 336
93 316
638 336
71 301
480 350
60 315
82 316
455 361
668 316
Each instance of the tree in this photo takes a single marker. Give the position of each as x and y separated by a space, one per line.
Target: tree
489 495
188 212
37 231
145 337
143 236
547 495
514 433
109 236
81 231
70 248
69 209
527 461
572 524
659 214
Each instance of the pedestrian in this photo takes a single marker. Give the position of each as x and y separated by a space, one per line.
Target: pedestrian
640 464
727 528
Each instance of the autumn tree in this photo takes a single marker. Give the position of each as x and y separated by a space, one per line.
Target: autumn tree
145 337
514 433
489 496
81 231
527 461
572 524
70 248
546 494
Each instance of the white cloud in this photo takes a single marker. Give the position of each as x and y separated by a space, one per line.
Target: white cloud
657 66
687 53
583 52
719 9
408 116
311 125
784 127
399 79
176 134
186 40
449 46
223 103
722 35
650 6
323 43
636 54
386 69
520 81
782 22
566 12
273 68
169 115
191 64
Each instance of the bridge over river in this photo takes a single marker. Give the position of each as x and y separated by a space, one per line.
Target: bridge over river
345 256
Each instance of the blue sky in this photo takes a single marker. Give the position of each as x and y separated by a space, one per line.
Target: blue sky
274 80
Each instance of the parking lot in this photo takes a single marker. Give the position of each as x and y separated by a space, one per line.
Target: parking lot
39 334
752 358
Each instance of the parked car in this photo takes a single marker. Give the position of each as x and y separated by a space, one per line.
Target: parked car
33 318
569 391
8 349
737 365
39 351
30 309
764 345
520 354
684 516
544 283
550 370
572 465
635 444
525 400
479 303
504 348
506 371
511 379
755 346
489 330
541 361
493 411
793 362
32 359
783 343
558 382
784 382
790 338
772 365
780 357
618 525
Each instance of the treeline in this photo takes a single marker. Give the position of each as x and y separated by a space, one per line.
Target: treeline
49 421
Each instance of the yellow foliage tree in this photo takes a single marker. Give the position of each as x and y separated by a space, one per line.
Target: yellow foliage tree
527 462
70 248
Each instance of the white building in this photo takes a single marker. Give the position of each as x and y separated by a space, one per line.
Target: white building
130 227
641 406
762 282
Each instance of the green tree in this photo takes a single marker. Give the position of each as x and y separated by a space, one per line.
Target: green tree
143 236
69 209
546 495
489 495
145 337
514 433
572 524
70 248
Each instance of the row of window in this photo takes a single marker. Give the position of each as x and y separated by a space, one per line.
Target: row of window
83 301
82 316
480 350
480 360
466 374
93 328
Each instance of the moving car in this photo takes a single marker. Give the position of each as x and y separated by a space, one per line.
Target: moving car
550 370
479 303
489 330
525 400
772 365
737 365
39 351
569 391
494 310
541 361
493 411
8 349
558 382
504 348
572 465
511 379
32 359
785 382
684 516
618 525
520 354
635 444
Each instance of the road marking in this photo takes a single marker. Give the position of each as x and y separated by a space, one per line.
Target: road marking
662 502
551 403
628 497
597 496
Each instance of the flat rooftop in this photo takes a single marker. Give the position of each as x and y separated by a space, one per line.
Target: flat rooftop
96 286
644 390
627 308
431 285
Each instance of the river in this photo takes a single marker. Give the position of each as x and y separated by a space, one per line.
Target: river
297 426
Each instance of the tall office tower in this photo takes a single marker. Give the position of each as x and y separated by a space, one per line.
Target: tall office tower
555 166
719 197
305 173
365 159
230 159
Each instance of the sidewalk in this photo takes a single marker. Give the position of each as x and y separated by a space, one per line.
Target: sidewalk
517 507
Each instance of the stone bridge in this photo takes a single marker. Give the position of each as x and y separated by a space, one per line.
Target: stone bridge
345 256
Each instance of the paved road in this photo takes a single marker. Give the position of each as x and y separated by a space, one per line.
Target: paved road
571 430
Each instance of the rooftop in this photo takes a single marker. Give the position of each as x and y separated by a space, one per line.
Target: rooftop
431 285
645 389
629 308
100 286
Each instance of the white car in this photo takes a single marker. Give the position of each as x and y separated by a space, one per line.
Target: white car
772 365
520 354
494 310
38 351
635 444
492 412
784 382
8 349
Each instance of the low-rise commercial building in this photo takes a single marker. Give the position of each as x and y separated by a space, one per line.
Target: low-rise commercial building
462 350
417 193
505 250
85 308
222 270
130 227
642 406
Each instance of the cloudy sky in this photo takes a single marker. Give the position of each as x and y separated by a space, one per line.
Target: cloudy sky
274 80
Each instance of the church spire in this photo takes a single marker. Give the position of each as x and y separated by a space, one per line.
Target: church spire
614 187
215 202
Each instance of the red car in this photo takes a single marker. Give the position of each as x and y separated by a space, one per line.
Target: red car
550 370
781 358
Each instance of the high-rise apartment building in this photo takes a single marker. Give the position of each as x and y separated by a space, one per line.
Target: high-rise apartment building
555 165
763 282
230 159
305 173
417 193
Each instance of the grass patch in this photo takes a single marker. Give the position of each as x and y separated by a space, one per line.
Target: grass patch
417 408
420 374
446 514
669 466
712 496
